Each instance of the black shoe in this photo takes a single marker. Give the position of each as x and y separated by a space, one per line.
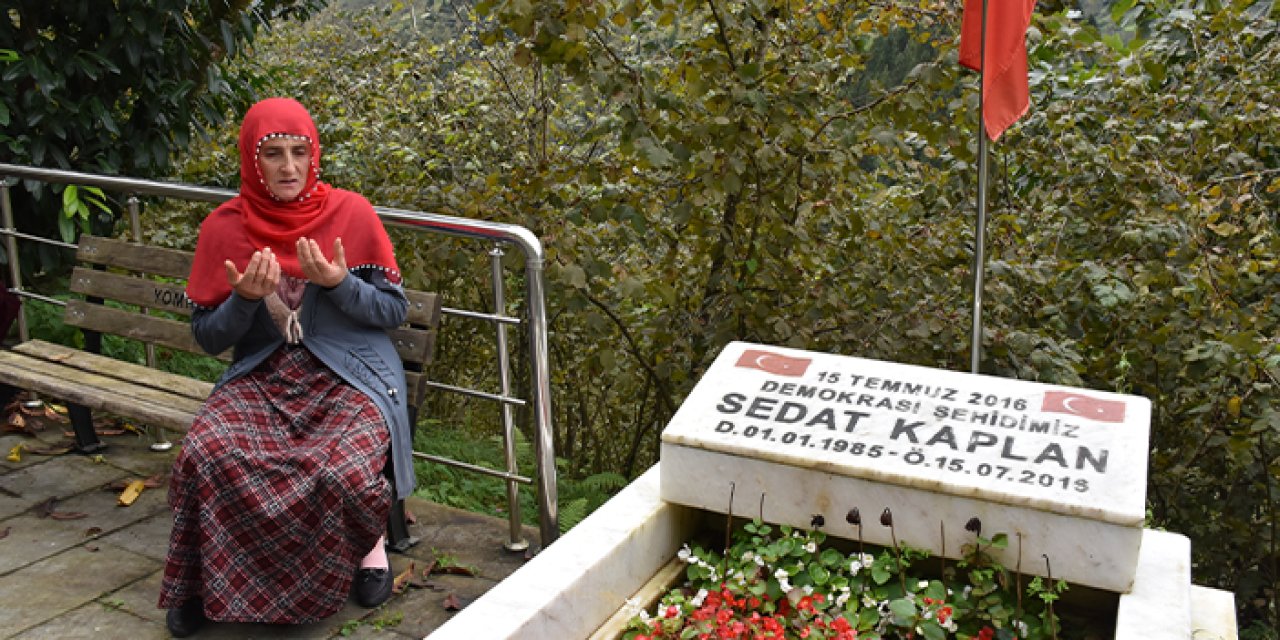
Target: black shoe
373 587
186 619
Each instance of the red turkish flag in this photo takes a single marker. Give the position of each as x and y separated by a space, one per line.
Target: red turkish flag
773 363
1078 404
1005 93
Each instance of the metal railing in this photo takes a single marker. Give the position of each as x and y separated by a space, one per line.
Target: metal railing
495 233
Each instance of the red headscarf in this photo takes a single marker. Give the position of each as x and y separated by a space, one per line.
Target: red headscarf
256 219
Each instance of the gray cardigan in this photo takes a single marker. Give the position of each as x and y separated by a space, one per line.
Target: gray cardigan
346 328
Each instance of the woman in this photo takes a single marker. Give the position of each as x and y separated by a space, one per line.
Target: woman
279 495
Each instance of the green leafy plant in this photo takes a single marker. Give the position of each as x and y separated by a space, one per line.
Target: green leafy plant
76 204
781 582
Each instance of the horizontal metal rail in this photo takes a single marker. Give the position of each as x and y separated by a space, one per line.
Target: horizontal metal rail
516 402
474 467
516 235
476 315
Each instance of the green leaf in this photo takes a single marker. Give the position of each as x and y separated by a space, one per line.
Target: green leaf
66 229
903 611
575 276
653 153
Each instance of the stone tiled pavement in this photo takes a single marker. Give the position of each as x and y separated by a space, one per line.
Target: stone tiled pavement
98 576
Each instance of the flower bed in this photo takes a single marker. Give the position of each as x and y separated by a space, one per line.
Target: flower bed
778 582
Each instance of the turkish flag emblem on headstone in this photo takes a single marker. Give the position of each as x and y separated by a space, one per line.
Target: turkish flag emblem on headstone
773 363
1084 406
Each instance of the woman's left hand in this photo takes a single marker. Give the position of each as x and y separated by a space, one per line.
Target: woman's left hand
319 269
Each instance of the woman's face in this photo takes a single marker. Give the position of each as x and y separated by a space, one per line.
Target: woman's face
284 163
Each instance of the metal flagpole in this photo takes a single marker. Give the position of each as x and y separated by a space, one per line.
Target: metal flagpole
980 226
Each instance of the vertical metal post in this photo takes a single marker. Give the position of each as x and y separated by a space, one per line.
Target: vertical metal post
980 225
515 541
11 248
160 436
540 379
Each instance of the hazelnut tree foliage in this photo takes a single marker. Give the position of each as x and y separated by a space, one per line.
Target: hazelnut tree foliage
704 171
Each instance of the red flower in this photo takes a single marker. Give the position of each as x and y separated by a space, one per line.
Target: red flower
672 611
987 633
943 614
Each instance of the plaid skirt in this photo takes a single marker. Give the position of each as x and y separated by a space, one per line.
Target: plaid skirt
277 495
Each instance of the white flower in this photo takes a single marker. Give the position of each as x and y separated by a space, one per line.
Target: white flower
808 590
684 553
811 547
633 607
1021 627
923 584
697 598
855 567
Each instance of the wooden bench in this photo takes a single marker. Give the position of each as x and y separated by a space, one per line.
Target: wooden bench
138 292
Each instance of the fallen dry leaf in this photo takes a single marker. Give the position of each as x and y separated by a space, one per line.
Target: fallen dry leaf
409 518
131 493
453 603
101 432
17 420
457 570
15 454
52 414
403 580
132 428
48 509
49 451
154 482
60 408
92 531
4 533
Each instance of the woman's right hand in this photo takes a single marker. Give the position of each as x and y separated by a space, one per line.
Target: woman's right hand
260 278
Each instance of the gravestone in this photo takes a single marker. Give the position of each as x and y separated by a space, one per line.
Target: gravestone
788 434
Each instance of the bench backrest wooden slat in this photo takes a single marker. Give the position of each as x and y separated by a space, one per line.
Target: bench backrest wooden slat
172 263
170 297
174 334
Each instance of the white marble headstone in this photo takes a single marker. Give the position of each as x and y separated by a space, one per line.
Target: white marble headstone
1061 470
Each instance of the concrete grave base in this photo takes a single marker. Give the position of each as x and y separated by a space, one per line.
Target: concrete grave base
586 577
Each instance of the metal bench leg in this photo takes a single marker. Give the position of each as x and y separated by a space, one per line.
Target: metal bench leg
398 537
7 393
82 423
160 439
